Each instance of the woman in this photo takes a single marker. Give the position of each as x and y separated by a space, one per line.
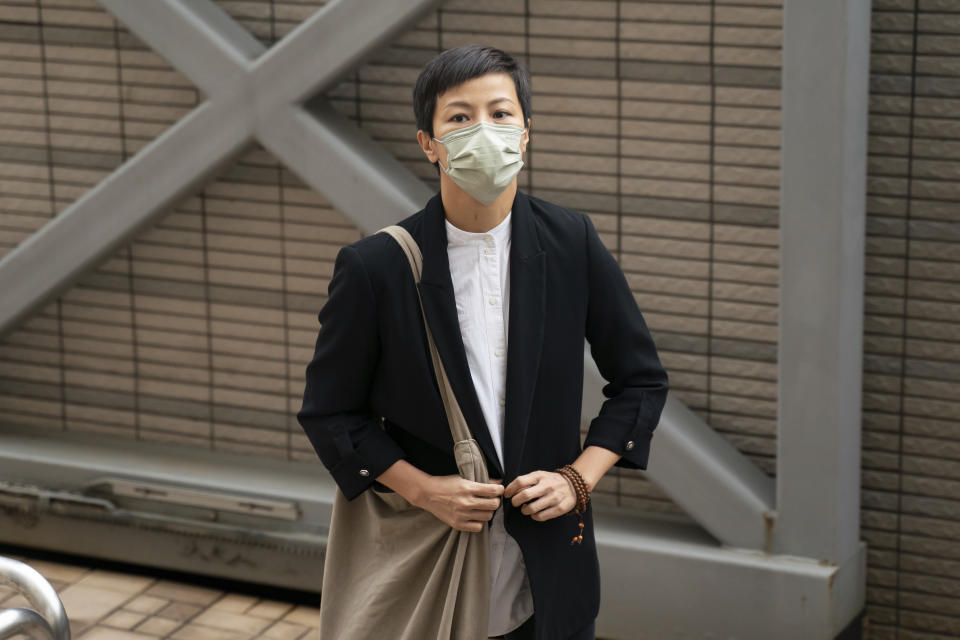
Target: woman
511 286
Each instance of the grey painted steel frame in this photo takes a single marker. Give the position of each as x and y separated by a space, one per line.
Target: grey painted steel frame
826 58
254 93
825 93
251 93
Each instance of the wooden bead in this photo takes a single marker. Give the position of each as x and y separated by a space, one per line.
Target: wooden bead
582 495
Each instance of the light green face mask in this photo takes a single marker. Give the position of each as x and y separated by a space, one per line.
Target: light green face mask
483 158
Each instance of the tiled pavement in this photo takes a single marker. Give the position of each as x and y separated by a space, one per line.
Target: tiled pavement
107 605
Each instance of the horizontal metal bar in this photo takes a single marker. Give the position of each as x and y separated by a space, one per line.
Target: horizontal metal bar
265 508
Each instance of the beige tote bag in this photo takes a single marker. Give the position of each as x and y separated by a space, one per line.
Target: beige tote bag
393 570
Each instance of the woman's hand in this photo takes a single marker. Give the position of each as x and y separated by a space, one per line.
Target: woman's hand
463 504
543 494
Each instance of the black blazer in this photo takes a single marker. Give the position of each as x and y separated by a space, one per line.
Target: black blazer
372 360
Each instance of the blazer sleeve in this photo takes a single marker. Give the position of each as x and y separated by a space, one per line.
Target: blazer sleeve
335 415
626 356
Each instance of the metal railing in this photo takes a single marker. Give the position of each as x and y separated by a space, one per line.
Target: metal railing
47 619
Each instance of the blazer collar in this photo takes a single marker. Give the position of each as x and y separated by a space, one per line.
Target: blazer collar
525 327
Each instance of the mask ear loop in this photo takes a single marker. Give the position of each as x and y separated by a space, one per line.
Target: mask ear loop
438 157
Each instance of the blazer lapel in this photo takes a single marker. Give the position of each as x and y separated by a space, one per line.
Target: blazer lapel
525 335
436 291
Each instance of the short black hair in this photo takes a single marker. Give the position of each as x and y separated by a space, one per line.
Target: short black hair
455 66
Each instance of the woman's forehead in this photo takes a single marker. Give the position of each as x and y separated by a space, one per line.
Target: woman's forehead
479 91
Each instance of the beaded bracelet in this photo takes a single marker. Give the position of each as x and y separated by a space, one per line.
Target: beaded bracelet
579 485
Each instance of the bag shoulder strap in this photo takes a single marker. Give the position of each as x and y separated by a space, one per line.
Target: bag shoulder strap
458 424
409 246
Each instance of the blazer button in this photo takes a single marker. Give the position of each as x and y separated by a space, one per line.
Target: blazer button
629 445
364 472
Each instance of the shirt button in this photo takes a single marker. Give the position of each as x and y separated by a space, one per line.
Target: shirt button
364 472
502 402
493 301
629 445
489 251
498 352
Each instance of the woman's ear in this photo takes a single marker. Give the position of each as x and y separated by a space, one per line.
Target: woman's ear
427 144
525 138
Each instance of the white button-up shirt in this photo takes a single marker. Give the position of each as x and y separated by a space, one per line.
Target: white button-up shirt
480 270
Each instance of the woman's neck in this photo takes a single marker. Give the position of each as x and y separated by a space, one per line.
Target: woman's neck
466 213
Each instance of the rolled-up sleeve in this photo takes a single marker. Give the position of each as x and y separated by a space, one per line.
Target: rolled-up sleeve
347 436
626 356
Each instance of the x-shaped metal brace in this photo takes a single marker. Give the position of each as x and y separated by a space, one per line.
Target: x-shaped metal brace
255 93
251 93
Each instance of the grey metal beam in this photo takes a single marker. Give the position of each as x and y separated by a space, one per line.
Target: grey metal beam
92 229
738 508
329 153
210 48
701 471
826 49
329 44
205 44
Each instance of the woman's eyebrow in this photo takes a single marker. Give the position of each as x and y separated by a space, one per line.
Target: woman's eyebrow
461 103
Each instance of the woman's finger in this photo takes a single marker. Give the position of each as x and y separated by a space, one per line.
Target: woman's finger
548 514
521 482
487 489
528 494
545 502
486 504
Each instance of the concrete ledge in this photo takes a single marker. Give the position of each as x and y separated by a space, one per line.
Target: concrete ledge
72 514
666 580
661 578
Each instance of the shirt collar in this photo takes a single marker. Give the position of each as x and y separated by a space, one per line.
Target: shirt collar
457 236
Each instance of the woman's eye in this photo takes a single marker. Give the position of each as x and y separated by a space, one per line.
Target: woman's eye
459 115
505 113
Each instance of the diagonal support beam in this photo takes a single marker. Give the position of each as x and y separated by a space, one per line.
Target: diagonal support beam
247 90
702 472
259 94
210 48
357 175
691 456
109 215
